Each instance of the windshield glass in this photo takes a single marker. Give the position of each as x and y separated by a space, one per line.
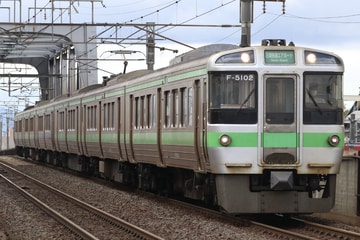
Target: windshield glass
323 102
232 97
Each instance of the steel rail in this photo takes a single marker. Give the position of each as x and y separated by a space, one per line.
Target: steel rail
139 231
54 214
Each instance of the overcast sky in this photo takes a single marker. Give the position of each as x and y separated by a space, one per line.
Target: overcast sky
330 25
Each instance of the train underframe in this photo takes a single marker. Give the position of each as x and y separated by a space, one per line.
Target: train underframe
272 192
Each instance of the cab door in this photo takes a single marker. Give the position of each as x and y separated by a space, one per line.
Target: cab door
280 137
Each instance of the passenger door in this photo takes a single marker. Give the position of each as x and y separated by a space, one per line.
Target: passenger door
200 122
280 136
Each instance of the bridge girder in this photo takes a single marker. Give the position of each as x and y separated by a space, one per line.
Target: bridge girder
53 52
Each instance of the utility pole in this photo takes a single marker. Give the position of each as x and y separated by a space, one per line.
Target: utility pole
150 45
246 19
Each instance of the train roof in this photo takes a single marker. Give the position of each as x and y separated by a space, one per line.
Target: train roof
128 76
202 52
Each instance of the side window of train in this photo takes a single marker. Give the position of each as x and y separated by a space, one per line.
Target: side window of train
91 118
145 111
167 109
149 111
137 113
105 109
61 121
142 112
175 108
137 103
183 107
71 120
47 122
20 126
118 122
88 118
95 117
32 124
17 126
154 109
40 127
190 105
26 125
108 116
112 115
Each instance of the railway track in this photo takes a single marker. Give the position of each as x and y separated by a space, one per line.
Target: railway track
326 232
303 229
275 227
282 227
74 214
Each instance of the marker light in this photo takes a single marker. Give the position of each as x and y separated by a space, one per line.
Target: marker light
225 140
334 140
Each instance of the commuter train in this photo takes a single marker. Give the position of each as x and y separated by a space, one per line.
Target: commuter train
251 130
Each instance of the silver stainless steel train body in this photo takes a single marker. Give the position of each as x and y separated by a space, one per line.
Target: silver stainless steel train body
278 124
253 130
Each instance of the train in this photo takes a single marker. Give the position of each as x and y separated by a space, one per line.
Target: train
255 129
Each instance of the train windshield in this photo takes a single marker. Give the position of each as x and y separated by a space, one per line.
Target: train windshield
323 102
233 97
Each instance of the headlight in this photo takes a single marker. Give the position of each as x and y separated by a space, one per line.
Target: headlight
225 140
334 140
245 57
311 58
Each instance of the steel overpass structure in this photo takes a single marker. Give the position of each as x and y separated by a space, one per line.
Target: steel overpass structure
54 52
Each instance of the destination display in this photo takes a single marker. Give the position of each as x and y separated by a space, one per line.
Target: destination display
279 57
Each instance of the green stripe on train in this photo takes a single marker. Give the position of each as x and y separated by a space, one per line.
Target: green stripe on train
280 140
167 138
178 138
274 140
269 140
170 138
321 139
238 139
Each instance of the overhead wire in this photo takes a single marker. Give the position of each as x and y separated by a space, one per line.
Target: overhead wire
196 16
236 31
37 13
325 19
267 25
154 12
172 3
141 17
202 14
171 27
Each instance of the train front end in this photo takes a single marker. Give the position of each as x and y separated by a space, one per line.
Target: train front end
275 128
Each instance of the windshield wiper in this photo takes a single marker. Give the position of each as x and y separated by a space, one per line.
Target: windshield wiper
247 98
314 101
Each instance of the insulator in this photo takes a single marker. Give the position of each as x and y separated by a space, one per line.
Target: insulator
283 9
264 6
